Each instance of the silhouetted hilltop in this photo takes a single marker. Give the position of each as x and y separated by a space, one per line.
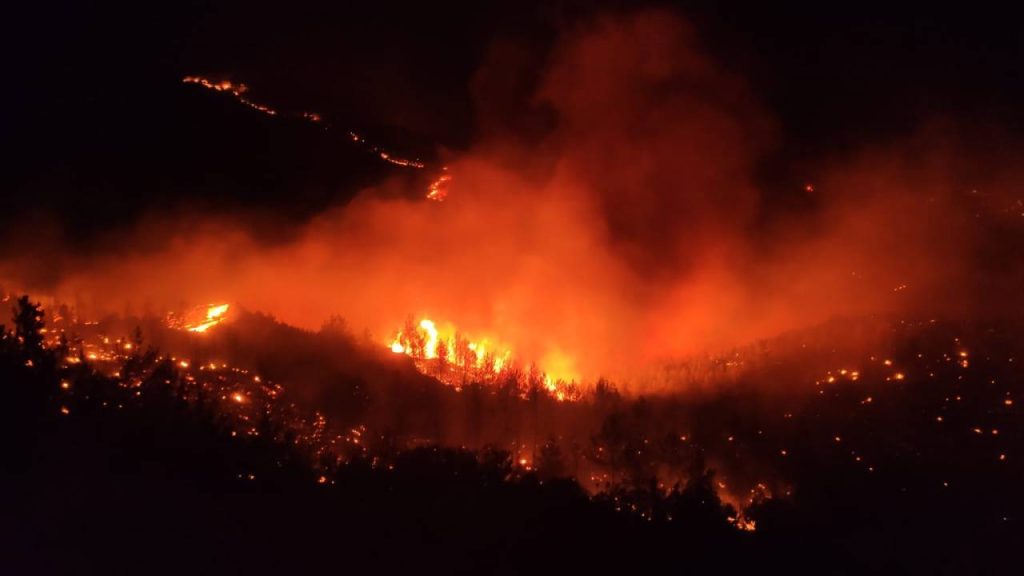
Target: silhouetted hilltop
134 146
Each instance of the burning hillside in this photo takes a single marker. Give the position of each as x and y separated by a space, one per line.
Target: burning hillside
238 89
837 406
633 234
575 280
199 319
456 360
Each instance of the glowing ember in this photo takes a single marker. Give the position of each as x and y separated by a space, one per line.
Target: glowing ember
238 89
400 161
438 190
745 524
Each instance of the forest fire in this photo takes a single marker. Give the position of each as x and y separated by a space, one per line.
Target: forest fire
221 86
438 190
214 315
692 313
238 89
611 444
456 360
235 89
424 341
199 319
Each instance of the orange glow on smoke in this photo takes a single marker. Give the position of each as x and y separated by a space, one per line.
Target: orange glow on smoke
606 248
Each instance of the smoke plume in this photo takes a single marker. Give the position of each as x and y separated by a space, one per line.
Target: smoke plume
626 227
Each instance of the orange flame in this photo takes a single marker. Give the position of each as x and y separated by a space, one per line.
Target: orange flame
425 342
234 89
438 189
455 353
199 320
237 89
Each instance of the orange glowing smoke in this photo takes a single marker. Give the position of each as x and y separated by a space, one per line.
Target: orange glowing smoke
630 235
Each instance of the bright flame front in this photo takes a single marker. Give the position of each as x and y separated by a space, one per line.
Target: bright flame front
214 315
455 359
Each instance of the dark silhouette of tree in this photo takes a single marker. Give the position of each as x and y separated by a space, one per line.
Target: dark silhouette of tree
335 325
698 505
441 362
496 462
550 463
413 338
28 325
166 453
605 396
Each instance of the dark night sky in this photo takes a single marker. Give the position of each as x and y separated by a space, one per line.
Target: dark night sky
94 89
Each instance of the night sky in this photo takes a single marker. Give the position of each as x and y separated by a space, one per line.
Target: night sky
94 107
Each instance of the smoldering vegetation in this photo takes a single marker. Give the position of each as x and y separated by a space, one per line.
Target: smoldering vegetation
810 440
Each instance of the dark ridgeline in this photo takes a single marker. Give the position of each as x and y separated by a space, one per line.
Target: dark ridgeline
133 473
127 475
149 147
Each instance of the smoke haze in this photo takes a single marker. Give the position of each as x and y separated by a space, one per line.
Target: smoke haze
624 224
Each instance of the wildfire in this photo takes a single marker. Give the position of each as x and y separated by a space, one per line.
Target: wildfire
238 89
425 342
235 90
457 358
741 523
222 86
400 161
438 189
199 319
214 315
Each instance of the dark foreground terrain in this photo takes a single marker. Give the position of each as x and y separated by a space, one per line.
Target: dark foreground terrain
143 472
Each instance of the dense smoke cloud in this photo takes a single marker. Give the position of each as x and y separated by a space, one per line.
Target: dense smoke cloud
632 230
